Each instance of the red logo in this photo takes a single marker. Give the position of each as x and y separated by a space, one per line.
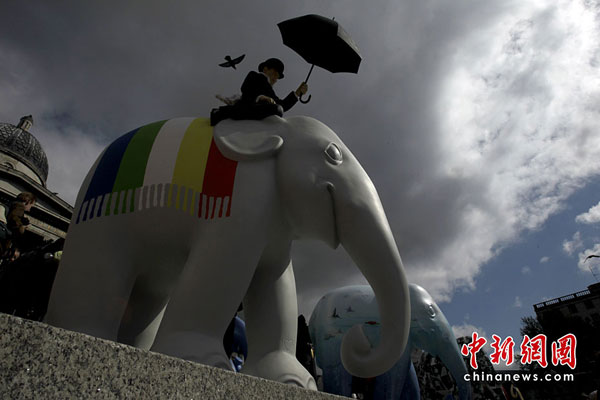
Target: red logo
532 350
472 348
502 351
563 351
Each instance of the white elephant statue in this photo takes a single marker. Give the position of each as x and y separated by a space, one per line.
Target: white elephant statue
178 222
347 306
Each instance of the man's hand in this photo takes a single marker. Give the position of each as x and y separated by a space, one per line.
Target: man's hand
302 89
265 99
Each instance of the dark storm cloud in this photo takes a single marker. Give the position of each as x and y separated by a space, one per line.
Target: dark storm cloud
458 112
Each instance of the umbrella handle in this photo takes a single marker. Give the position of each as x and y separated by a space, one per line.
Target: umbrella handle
305 81
305 101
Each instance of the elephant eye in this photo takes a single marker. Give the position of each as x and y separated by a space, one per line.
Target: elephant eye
334 154
431 310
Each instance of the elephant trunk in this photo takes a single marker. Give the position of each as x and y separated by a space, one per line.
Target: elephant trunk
440 341
362 228
456 365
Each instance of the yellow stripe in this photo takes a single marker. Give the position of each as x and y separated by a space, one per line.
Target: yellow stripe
191 159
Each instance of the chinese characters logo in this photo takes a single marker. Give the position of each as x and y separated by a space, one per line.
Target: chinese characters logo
532 350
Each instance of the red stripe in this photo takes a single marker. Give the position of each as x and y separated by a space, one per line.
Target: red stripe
219 175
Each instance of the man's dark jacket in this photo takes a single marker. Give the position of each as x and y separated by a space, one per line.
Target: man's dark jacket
257 84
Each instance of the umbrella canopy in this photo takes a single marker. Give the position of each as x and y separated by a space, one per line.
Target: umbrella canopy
321 41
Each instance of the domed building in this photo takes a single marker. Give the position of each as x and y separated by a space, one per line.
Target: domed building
24 168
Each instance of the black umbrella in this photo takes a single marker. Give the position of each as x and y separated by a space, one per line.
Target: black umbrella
321 41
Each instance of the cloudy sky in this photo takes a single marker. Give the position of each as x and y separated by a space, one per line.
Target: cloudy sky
476 120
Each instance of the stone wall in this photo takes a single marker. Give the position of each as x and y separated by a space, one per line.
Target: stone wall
39 361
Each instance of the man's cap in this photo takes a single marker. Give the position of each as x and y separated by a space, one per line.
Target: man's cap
274 63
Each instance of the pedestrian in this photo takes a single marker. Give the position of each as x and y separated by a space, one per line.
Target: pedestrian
17 223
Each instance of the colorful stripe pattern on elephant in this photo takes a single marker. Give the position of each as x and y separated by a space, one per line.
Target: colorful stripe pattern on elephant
173 163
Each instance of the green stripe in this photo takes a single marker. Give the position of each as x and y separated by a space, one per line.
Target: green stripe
133 164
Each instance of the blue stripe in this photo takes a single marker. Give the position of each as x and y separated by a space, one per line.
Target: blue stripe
106 172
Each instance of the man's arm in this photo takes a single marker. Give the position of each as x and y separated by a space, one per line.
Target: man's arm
292 98
288 102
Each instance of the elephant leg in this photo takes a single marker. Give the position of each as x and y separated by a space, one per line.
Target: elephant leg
271 312
144 313
149 298
411 390
92 286
203 302
336 380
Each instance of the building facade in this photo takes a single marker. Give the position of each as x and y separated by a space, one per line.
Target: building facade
584 304
24 168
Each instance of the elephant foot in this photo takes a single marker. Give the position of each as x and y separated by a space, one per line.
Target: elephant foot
195 347
281 367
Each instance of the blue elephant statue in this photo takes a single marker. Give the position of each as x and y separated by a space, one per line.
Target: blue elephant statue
235 343
345 307
178 222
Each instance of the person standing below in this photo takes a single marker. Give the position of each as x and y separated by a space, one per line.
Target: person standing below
16 221
258 99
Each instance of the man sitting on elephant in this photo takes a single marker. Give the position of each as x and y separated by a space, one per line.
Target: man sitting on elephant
258 99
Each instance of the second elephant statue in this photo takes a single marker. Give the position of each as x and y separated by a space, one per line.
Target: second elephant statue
178 222
343 308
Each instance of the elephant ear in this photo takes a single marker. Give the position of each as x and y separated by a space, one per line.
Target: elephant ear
249 140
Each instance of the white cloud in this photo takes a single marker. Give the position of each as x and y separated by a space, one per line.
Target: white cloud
544 260
518 303
571 246
526 270
590 217
589 265
467 330
517 127
65 149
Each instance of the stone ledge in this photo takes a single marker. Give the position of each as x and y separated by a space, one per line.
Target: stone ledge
39 361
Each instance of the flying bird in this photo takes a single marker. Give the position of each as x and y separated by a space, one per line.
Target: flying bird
232 63
591 256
